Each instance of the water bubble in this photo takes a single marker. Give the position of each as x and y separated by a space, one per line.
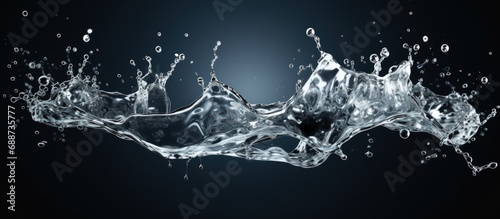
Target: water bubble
404 133
346 61
37 132
25 13
423 152
484 80
200 81
12 78
58 35
370 140
445 48
42 144
290 65
43 80
182 56
298 50
158 49
200 166
32 65
374 58
132 62
310 32
384 53
186 34
89 31
86 38
118 75
158 34
416 47
16 49
369 154
425 38
465 85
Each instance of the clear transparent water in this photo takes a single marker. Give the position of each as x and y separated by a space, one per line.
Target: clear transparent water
327 110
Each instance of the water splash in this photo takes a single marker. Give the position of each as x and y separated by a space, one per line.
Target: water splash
331 107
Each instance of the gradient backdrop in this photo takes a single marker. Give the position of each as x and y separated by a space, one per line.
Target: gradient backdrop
121 179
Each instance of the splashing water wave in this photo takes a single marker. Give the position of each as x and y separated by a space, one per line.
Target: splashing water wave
332 106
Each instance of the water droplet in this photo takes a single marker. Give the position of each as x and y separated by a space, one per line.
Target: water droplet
158 49
43 80
169 164
408 30
369 154
186 35
416 47
86 38
200 166
484 80
425 38
89 31
374 58
310 32
434 61
384 53
410 13
75 49
186 177
441 74
445 48
404 133
200 81
42 144
490 53
25 13
290 65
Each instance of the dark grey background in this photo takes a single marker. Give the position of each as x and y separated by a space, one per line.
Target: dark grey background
259 40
